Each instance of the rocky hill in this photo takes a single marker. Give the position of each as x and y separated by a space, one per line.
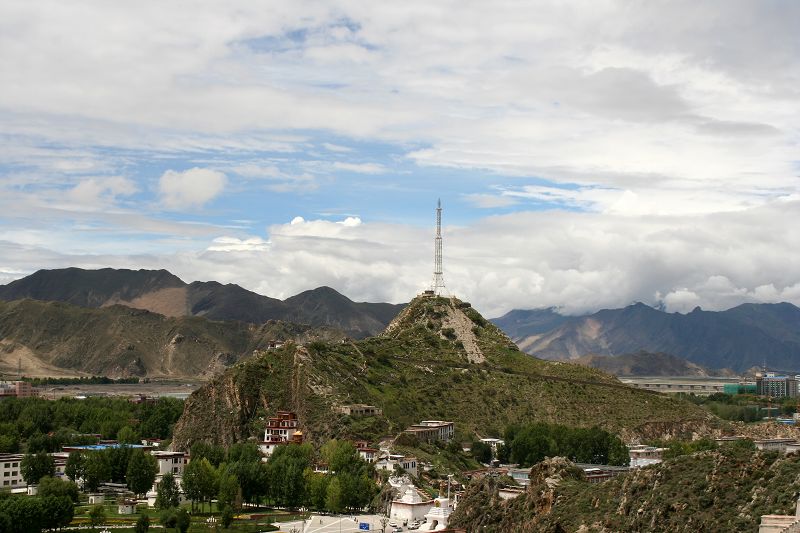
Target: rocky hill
644 363
164 293
439 359
56 339
739 338
723 490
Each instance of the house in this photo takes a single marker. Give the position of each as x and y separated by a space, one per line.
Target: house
493 443
126 506
170 462
10 472
367 453
16 389
388 462
773 445
412 506
773 523
432 430
642 455
359 409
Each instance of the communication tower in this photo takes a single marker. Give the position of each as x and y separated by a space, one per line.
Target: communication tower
438 279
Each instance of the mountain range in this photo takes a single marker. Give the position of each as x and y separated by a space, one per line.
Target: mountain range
161 292
746 336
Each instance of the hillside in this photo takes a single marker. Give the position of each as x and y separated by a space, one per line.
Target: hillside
56 338
722 490
161 292
644 363
739 338
439 359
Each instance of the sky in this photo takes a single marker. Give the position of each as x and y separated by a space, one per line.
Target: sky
588 155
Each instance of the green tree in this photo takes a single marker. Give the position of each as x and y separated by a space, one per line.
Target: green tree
51 486
20 514
481 451
334 501
142 470
35 467
142 524
252 477
199 481
203 450
96 470
246 452
76 466
285 472
57 511
167 492
227 516
182 520
228 488
97 515
118 458
168 518
127 435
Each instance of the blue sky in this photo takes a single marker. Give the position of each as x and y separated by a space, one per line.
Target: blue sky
586 157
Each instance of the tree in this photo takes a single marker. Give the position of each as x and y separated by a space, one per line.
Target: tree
22 515
168 518
96 470
167 492
118 458
285 470
76 466
246 452
182 520
252 477
333 496
51 486
142 524
481 451
35 467
200 481
97 515
127 435
57 511
228 488
142 470
202 450
227 516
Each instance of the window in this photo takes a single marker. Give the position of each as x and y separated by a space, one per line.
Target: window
14 473
5 483
14 465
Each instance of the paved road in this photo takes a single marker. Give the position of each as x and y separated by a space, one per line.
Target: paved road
332 524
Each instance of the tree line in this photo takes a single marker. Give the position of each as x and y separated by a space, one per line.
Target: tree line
530 443
52 508
37 424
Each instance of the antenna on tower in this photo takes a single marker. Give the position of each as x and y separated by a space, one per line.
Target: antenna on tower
438 278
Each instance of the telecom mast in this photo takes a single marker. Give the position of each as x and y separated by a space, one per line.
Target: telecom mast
438 278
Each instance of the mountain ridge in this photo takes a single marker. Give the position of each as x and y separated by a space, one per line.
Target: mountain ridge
162 292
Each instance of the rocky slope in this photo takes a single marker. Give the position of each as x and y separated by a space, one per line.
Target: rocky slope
723 490
739 338
55 338
164 293
439 359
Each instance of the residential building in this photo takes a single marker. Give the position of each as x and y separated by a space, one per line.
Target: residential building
367 453
281 429
10 471
16 389
599 473
520 475
642 455
432 430
772 523
775 385
388 462
493 444
776 445
170 462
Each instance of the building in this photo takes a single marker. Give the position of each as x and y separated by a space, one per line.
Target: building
439 515
520 475
170 463
509 493
641 455
773 445
773 523
283 428
388 462
359 409
743 387
412 506
776 385
10 472
432 430
126 506
599 473
369 455
493 444
16 389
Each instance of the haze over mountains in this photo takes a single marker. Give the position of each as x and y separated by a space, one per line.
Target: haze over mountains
161 292
740 338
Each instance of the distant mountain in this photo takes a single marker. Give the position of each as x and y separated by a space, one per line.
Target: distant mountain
521 323
646 364
162 292
739 338
57 338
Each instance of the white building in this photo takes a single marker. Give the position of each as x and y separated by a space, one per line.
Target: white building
432 430
170 463
493 443
388 462
438 517
774 523
10 472
773 445
642 455
412 506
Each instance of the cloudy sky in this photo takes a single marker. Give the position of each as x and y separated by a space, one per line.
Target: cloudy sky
588 154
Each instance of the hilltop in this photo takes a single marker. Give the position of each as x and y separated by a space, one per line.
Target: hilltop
161 292
739 338
438 359
721 490
57 338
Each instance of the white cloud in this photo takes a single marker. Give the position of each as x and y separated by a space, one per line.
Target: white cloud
96 192
490 201
232 244
190 188
360 168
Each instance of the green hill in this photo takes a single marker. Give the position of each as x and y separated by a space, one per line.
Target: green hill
722 490
439 359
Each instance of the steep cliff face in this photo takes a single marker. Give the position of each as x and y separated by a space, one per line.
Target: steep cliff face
724 490
424 367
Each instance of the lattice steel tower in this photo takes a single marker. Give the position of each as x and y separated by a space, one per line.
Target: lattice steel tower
438 278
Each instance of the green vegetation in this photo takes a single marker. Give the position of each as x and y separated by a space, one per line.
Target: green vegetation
726 489
86 380
743 407
528 444
26 514
36 424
